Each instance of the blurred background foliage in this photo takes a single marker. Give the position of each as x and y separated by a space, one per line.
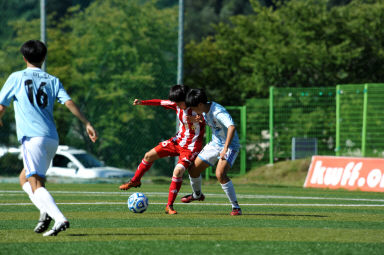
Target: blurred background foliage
108 52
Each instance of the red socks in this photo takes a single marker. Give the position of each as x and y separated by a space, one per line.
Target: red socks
174 189
141 170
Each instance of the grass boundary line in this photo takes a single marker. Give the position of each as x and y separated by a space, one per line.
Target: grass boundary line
207 195
206 204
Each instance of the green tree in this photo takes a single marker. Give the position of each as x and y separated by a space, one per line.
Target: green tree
120 53
107 55
300 44
202 15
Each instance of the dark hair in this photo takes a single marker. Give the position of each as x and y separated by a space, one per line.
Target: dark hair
177 93
195 96
34 51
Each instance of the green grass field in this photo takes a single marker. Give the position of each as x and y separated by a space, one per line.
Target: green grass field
276 220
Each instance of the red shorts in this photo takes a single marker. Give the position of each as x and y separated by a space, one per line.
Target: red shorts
169 148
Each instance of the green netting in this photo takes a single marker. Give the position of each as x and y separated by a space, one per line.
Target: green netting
361 120
303 113
344 121
375 121
257 132
351 119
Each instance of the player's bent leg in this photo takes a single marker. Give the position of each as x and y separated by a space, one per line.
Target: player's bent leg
45 219
227 186
221 171
197 167
174 188
195 179
151 156
143 167
36 182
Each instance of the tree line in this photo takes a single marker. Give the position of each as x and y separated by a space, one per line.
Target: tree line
109 52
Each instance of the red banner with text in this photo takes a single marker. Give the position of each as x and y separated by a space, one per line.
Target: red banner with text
365 174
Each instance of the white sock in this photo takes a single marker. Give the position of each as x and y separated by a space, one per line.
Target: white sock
28 189
231 194
196 186
45 198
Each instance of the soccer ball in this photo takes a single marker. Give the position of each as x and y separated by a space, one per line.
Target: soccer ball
137 202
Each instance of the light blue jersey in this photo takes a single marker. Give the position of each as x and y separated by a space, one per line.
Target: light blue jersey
219 120
34 93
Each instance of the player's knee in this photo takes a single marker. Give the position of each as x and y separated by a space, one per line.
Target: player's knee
222 177
179 171
150 156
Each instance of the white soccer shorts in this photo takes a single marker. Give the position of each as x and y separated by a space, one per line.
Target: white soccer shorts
38 153
211 152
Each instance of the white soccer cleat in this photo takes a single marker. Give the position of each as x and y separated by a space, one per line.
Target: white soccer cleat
43 223
57 228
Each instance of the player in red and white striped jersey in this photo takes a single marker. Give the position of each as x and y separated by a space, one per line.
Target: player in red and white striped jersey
186 144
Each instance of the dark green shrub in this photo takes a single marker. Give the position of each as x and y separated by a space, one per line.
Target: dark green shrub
10 165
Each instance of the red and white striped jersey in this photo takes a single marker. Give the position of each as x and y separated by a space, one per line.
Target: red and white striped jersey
190 134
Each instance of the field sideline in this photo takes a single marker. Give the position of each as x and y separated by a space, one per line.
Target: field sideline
276 220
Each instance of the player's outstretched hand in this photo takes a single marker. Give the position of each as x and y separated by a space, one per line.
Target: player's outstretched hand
91 132
137 102
195 118
222 153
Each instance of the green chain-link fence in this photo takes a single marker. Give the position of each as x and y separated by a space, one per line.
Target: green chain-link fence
301 113
360 120
345 120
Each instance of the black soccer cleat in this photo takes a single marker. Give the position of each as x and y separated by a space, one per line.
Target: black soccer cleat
43 223
57 228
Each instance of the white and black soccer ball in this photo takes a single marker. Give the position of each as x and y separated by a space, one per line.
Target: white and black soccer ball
137 202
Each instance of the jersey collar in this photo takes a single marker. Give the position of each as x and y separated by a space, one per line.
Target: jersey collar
34 68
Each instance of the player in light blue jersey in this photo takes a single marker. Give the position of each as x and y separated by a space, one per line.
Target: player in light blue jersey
34 93
223 148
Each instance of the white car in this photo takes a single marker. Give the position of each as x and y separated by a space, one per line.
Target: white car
71 162
13 150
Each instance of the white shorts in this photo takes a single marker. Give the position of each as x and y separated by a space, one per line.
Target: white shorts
211 153
38 153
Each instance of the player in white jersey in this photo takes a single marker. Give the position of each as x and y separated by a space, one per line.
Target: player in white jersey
223 147
186 144
34 93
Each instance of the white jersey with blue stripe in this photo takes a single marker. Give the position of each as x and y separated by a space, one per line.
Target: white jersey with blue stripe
219 120
34 93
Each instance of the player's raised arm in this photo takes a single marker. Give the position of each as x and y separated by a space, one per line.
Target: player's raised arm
156 102
76 111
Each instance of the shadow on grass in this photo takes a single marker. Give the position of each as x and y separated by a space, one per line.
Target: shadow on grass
286 215
273 215
142 234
